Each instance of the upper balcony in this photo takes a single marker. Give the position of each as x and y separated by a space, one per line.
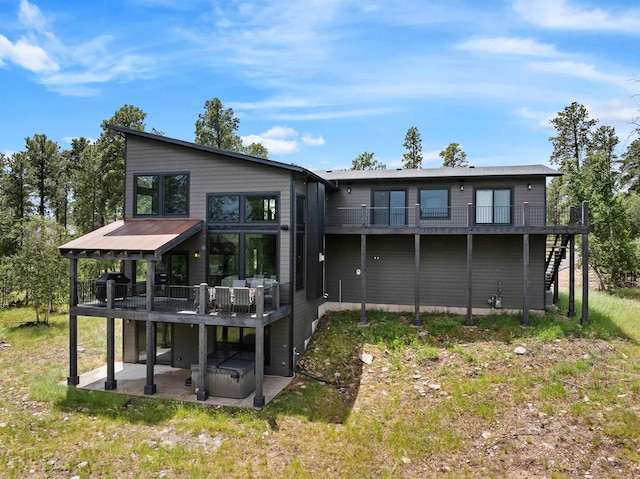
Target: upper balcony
458 220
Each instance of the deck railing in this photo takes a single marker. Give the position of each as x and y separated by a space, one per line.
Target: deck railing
166 298
453 216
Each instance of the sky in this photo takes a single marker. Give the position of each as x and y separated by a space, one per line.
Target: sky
319 82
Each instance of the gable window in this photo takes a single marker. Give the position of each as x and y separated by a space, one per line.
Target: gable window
224 209
165 194
389 207
493 206
434 203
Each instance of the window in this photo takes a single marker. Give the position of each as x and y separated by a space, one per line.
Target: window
224 209
240 208
162 194
260 208
493 206
389 208
300 241
434 203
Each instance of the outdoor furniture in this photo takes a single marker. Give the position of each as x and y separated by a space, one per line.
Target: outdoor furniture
239 283
255 282
222 295
242 299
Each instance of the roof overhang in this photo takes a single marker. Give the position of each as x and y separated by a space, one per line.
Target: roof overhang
132 239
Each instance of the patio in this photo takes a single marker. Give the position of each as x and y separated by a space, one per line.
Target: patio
170 382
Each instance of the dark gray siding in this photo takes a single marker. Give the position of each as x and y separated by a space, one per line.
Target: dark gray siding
443 270
361 191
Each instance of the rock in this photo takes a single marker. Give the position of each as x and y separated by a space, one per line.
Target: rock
406 460
366 358
434 387
486 435
520 350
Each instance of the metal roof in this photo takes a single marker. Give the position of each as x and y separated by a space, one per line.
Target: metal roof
145 238
434 173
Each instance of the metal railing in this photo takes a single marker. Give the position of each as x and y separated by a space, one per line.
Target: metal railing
166 298
453 216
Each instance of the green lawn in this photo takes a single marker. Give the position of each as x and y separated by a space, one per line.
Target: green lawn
441 400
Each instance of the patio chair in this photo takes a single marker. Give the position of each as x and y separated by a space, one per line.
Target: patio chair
255 282
223 298
239 283
242 299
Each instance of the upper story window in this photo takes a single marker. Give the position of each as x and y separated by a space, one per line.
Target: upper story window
389 207
493 205
434 203
243 208
164 194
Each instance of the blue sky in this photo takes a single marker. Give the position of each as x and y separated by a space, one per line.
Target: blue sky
320 82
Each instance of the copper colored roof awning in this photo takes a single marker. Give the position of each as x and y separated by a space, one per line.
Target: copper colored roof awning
132 239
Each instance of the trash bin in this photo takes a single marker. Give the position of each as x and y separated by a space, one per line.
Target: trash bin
122 284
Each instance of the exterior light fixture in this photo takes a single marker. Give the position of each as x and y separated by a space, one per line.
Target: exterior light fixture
461 187
196 254
529 186
349 189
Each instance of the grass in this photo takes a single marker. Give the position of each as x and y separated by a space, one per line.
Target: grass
441 400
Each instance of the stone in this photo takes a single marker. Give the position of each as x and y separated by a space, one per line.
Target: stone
366 358
520 350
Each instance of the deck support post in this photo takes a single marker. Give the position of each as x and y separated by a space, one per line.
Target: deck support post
363 280
525 268
110 384
416 321
202 394
468 321
585 264
73 379
572 276
258 398
150 387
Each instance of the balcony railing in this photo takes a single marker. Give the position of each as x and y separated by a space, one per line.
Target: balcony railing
454 216
166 298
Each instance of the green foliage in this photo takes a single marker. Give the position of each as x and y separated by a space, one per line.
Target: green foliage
216 127
630 167
43 163
453 156
365 161
413 144
258 150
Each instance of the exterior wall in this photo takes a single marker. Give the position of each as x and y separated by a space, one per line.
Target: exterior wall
209 173
361 191
390 270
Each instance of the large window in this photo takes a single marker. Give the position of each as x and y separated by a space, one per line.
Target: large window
162 194
434 203
493 206
389 207
242 256
243 208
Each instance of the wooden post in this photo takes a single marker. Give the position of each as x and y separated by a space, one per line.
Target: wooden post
202 394
363 280
150 387
73 379
572 276
111 383
417 322
258 398
469 318
585 264
525 268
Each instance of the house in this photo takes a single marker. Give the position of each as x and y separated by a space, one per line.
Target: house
228 260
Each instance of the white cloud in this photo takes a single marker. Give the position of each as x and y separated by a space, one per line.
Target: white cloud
31 17
26 55
509 45
581 70
308 139
565 14
281 140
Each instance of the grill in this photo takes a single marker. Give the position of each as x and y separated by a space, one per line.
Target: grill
122 285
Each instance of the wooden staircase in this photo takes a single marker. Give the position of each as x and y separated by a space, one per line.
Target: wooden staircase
556 252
